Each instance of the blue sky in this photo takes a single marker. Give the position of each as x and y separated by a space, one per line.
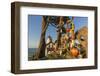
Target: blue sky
34 29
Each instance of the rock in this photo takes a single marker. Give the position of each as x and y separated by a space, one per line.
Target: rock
82 37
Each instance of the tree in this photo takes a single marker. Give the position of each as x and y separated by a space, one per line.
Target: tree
41 50
59 32
56 21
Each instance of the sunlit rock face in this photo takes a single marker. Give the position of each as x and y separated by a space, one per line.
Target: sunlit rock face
82 36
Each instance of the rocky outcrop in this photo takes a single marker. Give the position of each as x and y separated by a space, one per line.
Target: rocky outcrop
82 36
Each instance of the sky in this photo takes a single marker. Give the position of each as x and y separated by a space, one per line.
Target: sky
34 29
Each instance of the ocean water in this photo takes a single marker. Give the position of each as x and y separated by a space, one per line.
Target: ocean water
31 52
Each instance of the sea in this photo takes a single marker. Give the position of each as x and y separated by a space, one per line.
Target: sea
31 52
